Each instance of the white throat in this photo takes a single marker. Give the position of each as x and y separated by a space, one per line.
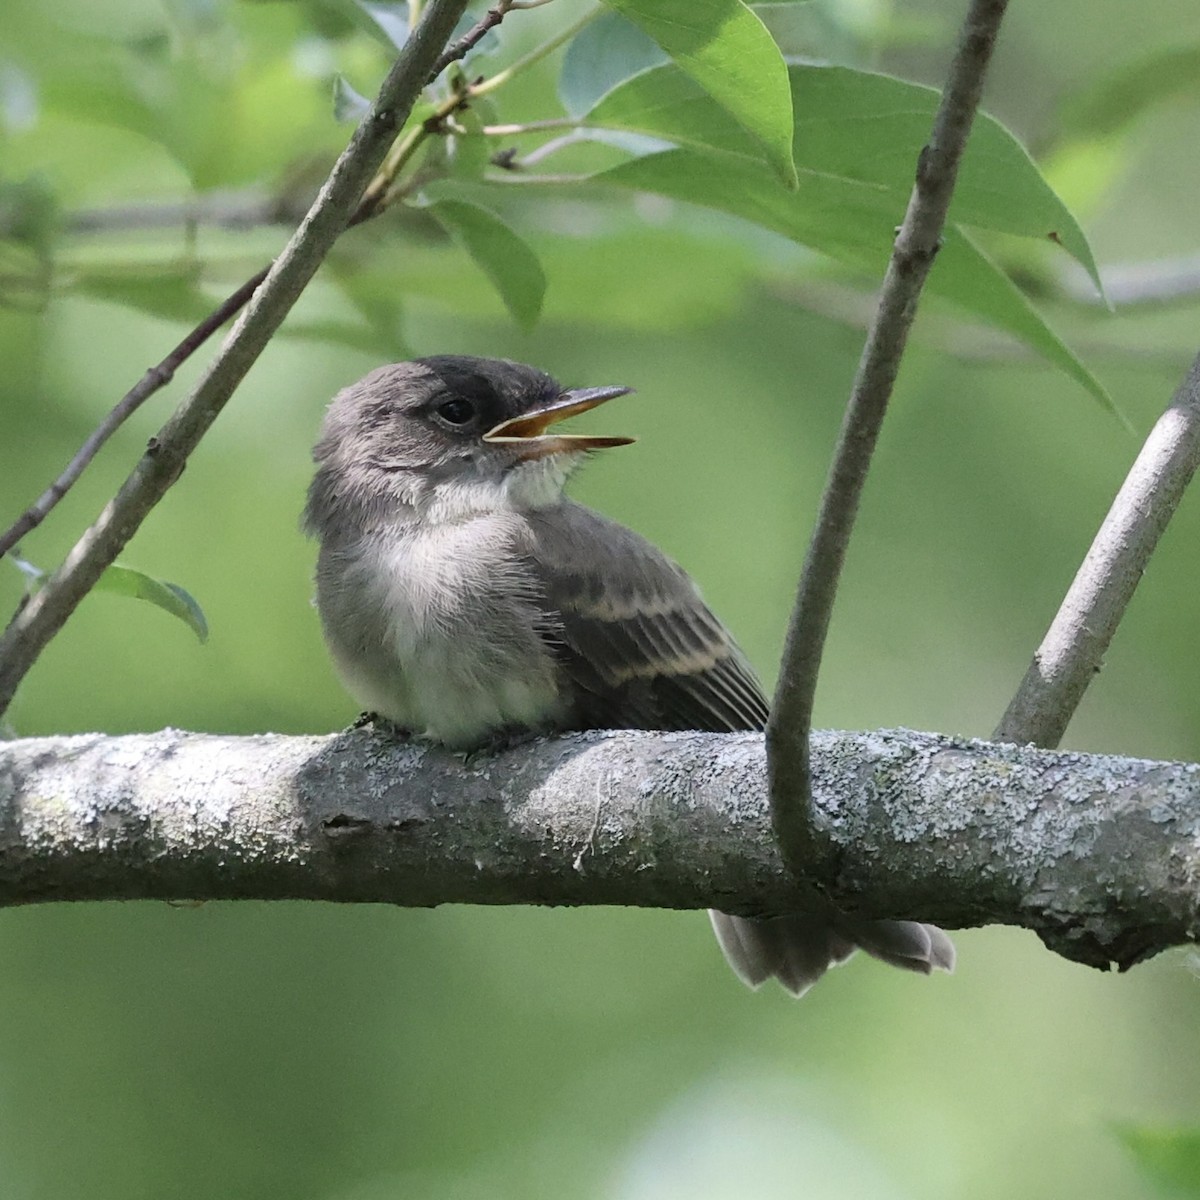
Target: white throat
526 486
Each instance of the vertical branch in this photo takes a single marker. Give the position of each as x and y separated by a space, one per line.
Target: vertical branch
1074 646
38 621
912 256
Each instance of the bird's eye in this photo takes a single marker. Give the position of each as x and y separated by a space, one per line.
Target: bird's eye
456 411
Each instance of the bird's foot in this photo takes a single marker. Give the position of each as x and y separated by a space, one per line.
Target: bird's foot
381 725
500 741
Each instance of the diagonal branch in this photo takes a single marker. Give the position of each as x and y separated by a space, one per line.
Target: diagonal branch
37 622
1073 649
912 256
156 378
161 374
1096 853
469 40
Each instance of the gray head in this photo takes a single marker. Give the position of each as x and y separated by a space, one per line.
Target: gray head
445 434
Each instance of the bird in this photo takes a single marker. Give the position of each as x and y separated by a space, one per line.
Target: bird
465 598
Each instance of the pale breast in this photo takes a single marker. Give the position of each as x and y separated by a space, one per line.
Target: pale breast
439 630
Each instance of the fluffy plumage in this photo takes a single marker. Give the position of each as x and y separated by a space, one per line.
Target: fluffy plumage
463 596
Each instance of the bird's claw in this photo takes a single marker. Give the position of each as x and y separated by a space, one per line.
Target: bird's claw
380 725
500 741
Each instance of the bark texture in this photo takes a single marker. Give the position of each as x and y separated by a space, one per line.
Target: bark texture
1099 855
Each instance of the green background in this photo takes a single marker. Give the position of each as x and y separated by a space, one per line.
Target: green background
299 1050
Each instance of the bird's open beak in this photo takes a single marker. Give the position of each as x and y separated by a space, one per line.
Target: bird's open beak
528 431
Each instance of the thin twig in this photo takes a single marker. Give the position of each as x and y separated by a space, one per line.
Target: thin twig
528 127
158 376
536 55
160 466
1152 283
1073 649
473 36
547 150
912 256
237 210
513 176
380 193
154 379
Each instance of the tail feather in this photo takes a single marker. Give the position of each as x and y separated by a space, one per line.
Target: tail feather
797 949
906 944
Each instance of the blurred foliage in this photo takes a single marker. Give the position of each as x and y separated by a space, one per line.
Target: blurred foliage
125 581
1170 1157
153 153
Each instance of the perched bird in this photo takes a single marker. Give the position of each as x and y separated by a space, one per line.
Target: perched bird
463 597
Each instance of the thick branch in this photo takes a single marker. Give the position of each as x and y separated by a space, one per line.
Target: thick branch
1075 644
912 257
167 453
1100 855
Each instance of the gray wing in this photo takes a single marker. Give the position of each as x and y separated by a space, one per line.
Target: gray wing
642 651
639 645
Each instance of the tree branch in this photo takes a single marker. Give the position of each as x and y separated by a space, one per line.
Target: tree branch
217 210
912 256
37 622
1073 649
248 208
1100 855
154 379
473 36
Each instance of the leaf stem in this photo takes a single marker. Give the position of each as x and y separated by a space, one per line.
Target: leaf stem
550 123
537 53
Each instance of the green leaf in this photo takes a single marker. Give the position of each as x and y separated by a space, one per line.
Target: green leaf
373 293
170 292
665 102
602 54
507 261
349 106
869 128
106 90
1169 1157
389 22
643 278
468 153
356 335
225 120
640 279
1083 171
125 581
727 50
853 222
34 576
29 225
1117 99
29 212
1097 142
